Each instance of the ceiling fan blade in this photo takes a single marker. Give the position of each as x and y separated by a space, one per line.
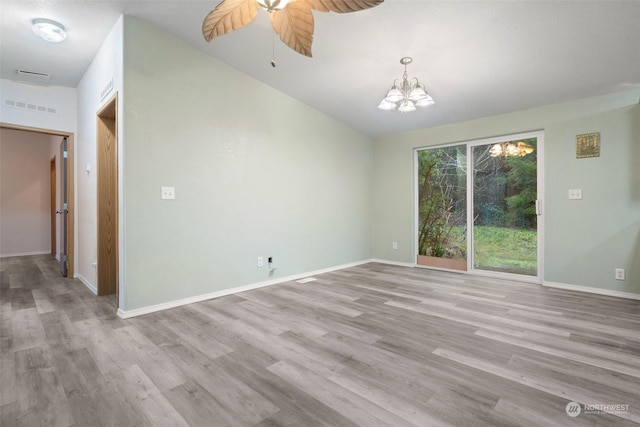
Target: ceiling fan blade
229 15
294 25
342 6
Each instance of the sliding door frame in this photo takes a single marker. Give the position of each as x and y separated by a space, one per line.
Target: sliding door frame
539 135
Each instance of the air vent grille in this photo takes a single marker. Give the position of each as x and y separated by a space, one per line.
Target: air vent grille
33 77
29 106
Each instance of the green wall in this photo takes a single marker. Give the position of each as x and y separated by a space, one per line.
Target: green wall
584 240
256 173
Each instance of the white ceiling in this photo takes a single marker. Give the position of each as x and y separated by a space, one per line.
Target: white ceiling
476 58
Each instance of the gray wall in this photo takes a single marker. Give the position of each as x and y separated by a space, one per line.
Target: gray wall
584 240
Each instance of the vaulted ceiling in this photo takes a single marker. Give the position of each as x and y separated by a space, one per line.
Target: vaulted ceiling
476 58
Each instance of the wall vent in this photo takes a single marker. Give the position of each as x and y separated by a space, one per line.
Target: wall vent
33 77
12 103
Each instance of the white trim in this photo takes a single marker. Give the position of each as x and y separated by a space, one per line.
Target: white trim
25 254
446 270
523 278
126 314
398 263
590 290
88 284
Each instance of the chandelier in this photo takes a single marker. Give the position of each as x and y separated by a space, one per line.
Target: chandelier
519 148
407 95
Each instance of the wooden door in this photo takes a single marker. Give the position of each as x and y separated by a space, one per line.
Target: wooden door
107 182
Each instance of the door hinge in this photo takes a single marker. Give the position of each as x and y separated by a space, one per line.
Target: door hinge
65 154
538 207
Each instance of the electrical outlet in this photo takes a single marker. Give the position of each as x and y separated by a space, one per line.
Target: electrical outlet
394 245
575 194
168 193
260 262
619 273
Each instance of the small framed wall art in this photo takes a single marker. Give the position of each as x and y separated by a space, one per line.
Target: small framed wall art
588 145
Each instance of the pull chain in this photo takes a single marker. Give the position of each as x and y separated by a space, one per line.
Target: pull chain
273 49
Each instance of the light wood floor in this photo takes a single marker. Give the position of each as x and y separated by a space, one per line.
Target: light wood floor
375 345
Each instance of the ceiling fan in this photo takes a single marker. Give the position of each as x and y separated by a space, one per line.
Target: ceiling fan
292 20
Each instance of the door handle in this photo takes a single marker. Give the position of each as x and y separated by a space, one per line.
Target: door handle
538 207
59 212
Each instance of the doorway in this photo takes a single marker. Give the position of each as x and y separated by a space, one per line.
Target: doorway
68 186
107 183
479 206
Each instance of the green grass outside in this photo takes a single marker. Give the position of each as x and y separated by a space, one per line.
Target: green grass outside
506 249
503 249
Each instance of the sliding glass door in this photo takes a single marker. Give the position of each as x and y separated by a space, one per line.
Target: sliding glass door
442 207
479 204
505 207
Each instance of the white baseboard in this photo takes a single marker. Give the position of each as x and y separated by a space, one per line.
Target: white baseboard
398 263
25 254
590 290
126 314
88 284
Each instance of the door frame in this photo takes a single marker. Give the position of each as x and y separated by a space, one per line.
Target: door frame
107 204
53 182
539 134
70 184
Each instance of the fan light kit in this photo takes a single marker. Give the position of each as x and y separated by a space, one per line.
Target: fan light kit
407 95
292 20
49 30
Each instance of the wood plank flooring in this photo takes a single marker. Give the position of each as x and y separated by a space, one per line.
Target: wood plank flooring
374 345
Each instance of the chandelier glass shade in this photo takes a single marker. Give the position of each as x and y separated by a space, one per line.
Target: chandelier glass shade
406 95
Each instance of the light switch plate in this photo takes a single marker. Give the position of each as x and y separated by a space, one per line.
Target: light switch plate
575 194
168 193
